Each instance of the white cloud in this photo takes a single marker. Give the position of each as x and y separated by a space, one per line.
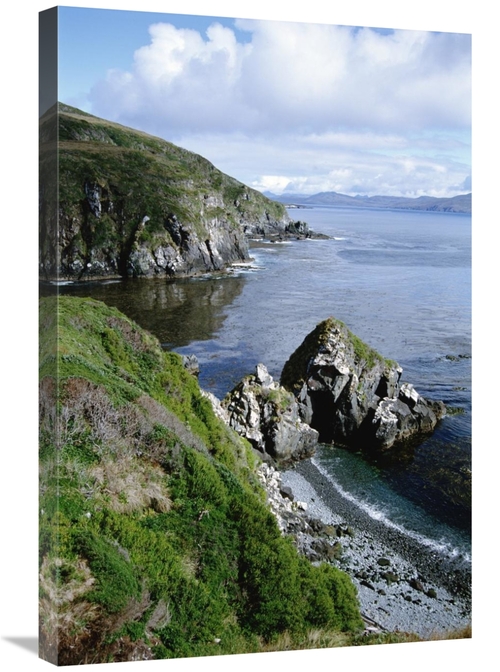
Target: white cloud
305 107
307 77
380 165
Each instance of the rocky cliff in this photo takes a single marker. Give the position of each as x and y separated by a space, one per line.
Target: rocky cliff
130 204
352 395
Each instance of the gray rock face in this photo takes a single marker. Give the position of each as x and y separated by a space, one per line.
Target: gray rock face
268 416
191 364
352 395
182 249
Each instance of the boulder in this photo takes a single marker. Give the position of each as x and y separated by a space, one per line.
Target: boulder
352 395
191 364
268 416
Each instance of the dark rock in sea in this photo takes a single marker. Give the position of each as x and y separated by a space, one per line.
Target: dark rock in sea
299 228
268 416
352 395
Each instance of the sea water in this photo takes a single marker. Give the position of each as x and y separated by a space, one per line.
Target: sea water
401 281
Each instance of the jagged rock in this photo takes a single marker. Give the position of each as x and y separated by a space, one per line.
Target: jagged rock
268 416
191 364
218 409
351 394
299 228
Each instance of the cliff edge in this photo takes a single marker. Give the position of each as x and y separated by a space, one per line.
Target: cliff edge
130 204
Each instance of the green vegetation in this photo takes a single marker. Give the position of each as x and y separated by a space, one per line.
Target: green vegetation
112 177
365 353
154 534
280 397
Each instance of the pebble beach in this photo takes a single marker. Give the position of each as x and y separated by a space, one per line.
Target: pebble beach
402 584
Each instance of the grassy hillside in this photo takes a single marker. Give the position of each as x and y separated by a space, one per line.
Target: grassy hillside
155 540
134 204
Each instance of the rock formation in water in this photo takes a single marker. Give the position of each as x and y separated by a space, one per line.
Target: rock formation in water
267 415
351 395
130 204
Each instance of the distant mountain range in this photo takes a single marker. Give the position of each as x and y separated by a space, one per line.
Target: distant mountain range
461 203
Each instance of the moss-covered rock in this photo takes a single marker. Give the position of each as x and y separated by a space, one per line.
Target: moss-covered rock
267 415
351 394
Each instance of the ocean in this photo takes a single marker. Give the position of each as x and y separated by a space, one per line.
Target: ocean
401 281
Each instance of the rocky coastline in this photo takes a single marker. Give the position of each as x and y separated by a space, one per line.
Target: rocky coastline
354 396
127 204
333 389
336 388
402 585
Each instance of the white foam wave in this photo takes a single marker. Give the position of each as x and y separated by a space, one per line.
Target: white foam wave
440 546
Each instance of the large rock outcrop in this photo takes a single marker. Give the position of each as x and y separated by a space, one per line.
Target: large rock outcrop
267 415
353 396
130 204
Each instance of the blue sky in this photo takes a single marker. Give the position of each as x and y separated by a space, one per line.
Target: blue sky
282 106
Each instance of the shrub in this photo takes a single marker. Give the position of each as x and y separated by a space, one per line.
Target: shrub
115 579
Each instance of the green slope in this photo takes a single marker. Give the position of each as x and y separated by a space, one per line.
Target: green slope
133 204
155 540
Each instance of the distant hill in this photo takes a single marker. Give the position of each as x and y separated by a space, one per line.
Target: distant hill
461 203
126 203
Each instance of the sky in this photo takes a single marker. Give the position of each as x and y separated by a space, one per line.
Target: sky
285 107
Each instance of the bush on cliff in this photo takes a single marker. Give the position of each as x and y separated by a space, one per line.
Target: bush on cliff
155 540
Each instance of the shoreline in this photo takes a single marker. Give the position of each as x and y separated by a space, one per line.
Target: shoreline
402 585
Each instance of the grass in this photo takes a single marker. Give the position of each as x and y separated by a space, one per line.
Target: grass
138 175
154 533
